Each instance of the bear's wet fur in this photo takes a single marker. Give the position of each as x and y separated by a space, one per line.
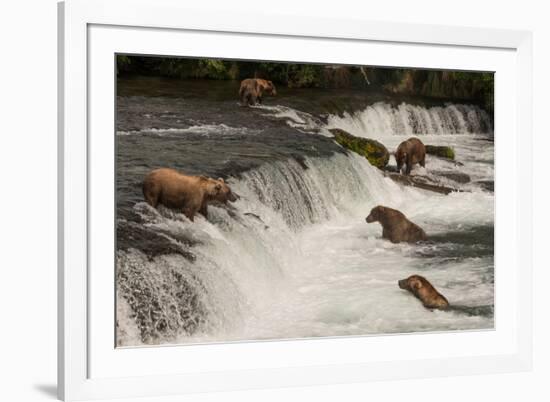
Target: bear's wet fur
421 288
190 194
395 225
410 152
252 90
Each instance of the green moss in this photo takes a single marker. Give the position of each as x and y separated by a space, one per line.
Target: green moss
441 151
375 152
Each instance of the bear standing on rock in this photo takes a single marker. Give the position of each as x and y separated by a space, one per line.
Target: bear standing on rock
191 194
423 290
395 226
410 152
252 90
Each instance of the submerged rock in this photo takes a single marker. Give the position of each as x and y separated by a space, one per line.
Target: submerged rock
441 151
459 177
375 152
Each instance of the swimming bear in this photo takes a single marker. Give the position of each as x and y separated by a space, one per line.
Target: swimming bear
252 90
191 194
410 152
424 290
395 226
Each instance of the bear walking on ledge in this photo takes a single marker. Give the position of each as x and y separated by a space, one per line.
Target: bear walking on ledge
395 226
423 290
252 90
191 194
410 152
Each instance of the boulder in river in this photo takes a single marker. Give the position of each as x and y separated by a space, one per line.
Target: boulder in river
375 152
440 151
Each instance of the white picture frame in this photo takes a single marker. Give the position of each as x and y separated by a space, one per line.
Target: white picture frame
90 32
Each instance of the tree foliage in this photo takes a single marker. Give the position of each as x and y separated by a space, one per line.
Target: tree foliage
477 86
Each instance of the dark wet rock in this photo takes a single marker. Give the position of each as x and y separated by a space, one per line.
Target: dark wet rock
421 182
375 152
488 185
459 177
132 235
441 151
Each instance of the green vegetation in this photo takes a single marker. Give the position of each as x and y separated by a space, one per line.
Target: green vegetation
375 152
441 151
472 86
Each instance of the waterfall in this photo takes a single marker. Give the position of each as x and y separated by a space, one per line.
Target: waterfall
382 119
240 254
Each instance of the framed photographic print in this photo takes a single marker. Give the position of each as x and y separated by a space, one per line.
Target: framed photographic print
248 205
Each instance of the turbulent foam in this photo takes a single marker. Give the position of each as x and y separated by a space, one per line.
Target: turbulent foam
205 129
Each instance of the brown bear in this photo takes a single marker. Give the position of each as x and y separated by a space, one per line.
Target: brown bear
395 226
423 290
191 194
252 90
410 152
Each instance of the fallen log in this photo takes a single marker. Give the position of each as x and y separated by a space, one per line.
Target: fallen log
420 182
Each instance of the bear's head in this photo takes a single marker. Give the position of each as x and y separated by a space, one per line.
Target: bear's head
219 191
268 87
271 88
413 283
375 214
424 290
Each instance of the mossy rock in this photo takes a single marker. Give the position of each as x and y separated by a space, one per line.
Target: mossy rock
375 152
441 151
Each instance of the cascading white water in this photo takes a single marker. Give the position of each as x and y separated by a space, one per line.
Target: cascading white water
382 119
296 258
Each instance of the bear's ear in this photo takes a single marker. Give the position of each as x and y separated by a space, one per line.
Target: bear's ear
415 284
221 179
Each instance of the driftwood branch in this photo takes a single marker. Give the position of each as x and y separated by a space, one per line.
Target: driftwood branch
364 72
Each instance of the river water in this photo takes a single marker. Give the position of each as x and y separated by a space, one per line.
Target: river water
294 257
